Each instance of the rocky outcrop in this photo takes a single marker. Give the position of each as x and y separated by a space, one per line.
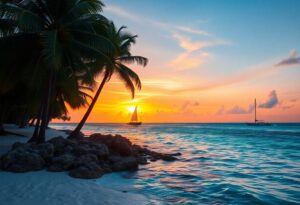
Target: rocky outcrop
123 163
84 157
89 170
23 158
116 144
62 162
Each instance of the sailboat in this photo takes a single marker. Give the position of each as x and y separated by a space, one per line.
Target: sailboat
134 118
256 121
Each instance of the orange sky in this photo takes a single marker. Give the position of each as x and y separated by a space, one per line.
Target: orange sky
207 66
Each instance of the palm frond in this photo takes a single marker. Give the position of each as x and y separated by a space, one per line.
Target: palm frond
139 60
131 74
51 48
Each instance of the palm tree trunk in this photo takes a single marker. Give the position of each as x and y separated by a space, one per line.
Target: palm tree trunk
2 116
37 125
44 118
76 131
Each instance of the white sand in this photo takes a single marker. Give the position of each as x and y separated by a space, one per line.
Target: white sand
49 188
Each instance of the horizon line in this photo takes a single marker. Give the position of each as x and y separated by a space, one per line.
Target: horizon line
297 122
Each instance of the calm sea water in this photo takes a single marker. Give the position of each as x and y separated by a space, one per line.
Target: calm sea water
220 163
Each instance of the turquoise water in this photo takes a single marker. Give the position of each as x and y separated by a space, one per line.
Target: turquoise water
220 163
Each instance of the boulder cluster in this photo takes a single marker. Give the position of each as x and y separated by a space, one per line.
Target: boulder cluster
83 157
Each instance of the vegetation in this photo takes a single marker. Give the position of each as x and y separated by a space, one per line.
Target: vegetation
51 53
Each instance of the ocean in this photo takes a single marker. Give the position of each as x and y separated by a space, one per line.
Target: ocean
220 163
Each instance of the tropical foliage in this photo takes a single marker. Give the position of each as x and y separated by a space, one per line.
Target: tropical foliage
51 53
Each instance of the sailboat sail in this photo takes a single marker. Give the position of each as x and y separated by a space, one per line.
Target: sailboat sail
134 117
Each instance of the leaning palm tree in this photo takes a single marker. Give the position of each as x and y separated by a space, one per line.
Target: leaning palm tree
119 66
60 35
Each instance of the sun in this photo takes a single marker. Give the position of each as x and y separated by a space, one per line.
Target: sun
131 108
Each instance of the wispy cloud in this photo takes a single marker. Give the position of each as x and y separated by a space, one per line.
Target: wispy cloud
193 55
121 12
189 60
118 11
271 101
194 45
179 28
292 59
248 74
236 110
189 104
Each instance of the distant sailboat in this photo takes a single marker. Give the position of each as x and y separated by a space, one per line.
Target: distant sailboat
256 121
134 118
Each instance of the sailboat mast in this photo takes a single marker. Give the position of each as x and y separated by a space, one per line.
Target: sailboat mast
255 120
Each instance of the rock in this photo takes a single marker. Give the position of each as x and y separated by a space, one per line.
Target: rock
106 168
45 150
122 148
22 160
87 171
86 159
142 160
62 162
125 163
59 143
76 136
98 149
101 150
104 139
17 144
166 157
117 143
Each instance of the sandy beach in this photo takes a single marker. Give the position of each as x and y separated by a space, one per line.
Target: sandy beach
49 188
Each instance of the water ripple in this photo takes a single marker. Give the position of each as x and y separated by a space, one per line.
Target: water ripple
221 163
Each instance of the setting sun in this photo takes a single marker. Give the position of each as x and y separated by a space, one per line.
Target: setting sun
131 109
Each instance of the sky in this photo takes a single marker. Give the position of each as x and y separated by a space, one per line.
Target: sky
208 61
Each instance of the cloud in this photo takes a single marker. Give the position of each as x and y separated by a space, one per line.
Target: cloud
288 104
193 56
188 104
187 60
294 100
293 59
187 44
118 11
221 110
271 101
239 110
121 12
235 110
175 28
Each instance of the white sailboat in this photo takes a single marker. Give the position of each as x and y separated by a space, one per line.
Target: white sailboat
134 118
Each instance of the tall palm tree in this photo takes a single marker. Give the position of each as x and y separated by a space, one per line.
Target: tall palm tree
119 66
61 36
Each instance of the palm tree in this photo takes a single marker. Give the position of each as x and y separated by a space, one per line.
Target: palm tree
61 36
120 58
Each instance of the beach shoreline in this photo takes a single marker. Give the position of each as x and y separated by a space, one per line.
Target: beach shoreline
43 187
